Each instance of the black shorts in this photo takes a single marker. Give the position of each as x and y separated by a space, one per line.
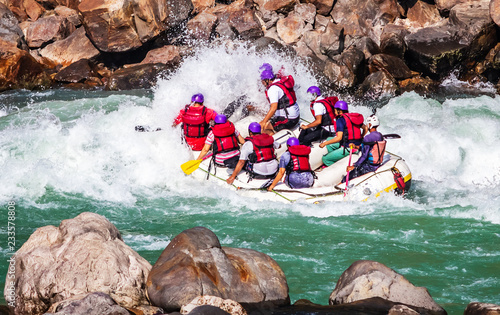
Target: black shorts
280 123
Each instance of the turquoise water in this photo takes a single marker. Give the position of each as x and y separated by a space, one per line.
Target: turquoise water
65 152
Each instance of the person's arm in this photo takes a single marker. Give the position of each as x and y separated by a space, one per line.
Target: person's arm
177 120
336 139
236 171
204 151
315 123
365 129
273 108
241 140
365 151
277 179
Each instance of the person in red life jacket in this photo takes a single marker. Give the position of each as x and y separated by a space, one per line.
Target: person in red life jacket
284 112
372 151
323 112
257 155
195 119
295 164
224 140
350 129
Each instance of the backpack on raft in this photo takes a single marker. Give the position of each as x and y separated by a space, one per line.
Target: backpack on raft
377 152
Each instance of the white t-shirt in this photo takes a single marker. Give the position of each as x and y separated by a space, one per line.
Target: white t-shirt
263 168
320 109
275 93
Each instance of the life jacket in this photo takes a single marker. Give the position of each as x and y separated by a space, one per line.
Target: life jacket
327 119
224 138
299 159
352 130
399 180
286 83
193 122
263 147
377 152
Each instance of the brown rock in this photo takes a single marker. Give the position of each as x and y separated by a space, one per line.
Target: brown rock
142 76
392 40
169 54
76 72
146 310
446 5
194 264
390 64
321 22
495 11
230 306
367 46
18 69
83 255
201 5
402 310
64 52
290 29
96 303
48 29
423 14
323 7
325 43
306 12
33 9
418 84
281 6
365 279
201 26
69 14
476 308
245 23
10 30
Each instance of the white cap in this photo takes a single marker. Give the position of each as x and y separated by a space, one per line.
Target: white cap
373 120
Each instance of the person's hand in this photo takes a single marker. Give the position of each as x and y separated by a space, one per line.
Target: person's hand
270 188
230 180
303 127
322 145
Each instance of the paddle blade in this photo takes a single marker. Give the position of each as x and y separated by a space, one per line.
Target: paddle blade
392 136
190 166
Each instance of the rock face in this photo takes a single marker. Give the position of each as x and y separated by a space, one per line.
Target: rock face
194 264
85 254
365 279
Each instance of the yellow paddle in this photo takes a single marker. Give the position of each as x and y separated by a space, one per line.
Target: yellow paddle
191 166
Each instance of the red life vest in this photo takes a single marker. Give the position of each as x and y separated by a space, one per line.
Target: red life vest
224 137
194 123
377 152
328 118
263 147
286 83
299 159
352 131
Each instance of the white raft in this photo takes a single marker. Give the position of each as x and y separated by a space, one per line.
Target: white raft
326 187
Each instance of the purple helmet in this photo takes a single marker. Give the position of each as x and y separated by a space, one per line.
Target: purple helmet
254 127
314 90
197 98
266 66
267 75
341 105
292 141
220 119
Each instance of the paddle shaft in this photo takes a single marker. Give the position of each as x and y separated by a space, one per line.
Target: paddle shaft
347 176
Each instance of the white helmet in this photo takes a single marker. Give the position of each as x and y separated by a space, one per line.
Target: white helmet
373 120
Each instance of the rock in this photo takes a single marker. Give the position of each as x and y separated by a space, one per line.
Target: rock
422 14
207 310
68 14
118 26
18 69
495 11
445 6
418 84
265 44
245 24
229 306
323 7
83 255
377 85
363 17
194 264
325 43
64 52
169 54
76 72
367 46
392 40
390 64
201 5
96 303
290 29
269 19
477 308
48 29
10 31
365 279
146 310
434 51
33 9
306 11
321 22
281 6
402 310
142 76
346 69
201 26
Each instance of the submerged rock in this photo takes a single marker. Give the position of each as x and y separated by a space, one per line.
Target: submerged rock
85 254
365 279
195 264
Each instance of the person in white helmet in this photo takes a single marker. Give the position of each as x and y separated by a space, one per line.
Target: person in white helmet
372 151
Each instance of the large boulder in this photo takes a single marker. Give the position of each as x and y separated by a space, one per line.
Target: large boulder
366 279
229 306
291 28
194 263
118 26
76 72
83 255
323 7
18 69
168 54
48 29
495 11
392 40
377 85
202 26
9 27
75 47
244 22
324 43
346 69
141 76
390 64
476 308
422 14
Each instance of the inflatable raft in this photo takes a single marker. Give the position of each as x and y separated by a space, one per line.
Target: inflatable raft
327 186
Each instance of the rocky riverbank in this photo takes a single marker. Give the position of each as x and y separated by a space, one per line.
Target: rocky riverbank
84 267
367 48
